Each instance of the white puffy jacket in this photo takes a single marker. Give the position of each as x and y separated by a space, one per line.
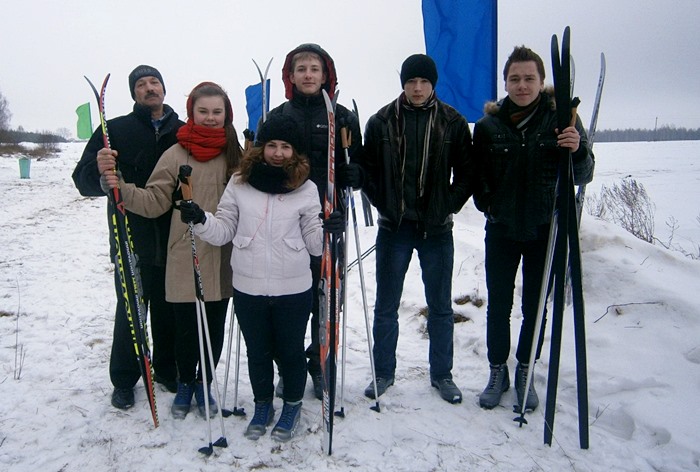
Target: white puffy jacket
272 234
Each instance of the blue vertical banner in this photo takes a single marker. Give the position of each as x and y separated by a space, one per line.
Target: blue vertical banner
254 103
461 36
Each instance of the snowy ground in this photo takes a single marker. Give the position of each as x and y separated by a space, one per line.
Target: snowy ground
643 331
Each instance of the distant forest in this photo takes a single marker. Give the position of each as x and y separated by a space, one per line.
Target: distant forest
664 133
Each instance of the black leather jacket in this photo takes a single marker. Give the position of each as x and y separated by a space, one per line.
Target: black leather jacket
448 179
518 169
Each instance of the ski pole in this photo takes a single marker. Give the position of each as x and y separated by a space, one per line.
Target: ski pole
185 172
236 411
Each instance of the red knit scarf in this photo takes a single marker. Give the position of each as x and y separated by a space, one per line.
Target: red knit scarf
202 142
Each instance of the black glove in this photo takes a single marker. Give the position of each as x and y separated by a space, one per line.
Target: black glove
191 213
335 223
349 175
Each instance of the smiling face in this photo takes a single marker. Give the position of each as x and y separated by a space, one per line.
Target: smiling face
209 111
523 82
307 74
276 152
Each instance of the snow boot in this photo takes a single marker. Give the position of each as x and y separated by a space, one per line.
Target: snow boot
533 401
199 396
448 390
499 382
382 384
182 401
262 418
123 398
287 424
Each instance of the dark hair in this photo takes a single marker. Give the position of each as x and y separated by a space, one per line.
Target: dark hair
297 167
234 152
523 54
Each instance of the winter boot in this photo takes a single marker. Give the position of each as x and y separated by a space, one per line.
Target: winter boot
382 384
532 402
287 424
317 379
264 414
499 381
123 398
199 396
183 399
448 390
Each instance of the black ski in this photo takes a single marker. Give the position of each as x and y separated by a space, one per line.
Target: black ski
566 253
126 264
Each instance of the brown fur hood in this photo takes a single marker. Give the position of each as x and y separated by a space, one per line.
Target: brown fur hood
493 107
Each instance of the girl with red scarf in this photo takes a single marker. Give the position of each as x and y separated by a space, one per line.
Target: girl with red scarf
209 144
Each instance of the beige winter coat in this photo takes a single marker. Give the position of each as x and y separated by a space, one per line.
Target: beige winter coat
208 182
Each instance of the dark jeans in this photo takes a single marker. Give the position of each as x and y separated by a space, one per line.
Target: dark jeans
313 351
187 331
503 257
274 327
436 256
124 370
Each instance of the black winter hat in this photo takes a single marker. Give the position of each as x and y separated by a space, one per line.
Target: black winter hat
419 65
143 71
280 127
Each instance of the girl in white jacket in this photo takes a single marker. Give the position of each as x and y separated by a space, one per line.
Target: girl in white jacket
271 213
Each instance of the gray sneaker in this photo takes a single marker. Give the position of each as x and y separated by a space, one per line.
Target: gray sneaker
448 390
499 381
382 384
533 401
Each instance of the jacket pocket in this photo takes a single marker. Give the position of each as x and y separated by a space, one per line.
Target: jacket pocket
295 261
243 256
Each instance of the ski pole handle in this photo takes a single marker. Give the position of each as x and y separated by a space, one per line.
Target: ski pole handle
575 102
184 178
345 137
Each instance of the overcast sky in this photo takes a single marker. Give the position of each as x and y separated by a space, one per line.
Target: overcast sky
652 50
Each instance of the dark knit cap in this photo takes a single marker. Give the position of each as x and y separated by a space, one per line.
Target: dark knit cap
143 71
280 127
419 65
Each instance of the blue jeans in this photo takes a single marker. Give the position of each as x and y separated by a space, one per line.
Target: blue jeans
436 256
274 327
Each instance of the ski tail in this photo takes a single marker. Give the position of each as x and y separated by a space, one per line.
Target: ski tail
126 263
329 292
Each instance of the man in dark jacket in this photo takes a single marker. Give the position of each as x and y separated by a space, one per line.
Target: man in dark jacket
417 173
307 70
516 145
137 140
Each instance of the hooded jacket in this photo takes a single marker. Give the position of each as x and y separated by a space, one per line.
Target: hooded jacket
518 169
448 180
140 146
309 112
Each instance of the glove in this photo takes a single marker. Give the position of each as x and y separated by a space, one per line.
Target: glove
349 175
191 213
335 223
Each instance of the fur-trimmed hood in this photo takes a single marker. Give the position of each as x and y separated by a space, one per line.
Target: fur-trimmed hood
493 107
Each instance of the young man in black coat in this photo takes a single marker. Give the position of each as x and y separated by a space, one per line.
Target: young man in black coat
137 142
516 145
307 70
417 173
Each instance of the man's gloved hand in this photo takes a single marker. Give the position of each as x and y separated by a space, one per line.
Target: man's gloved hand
335 223
191 213
349 175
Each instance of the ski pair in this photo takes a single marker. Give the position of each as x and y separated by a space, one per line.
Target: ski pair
563 252
126 264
